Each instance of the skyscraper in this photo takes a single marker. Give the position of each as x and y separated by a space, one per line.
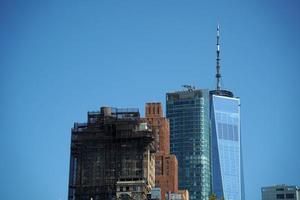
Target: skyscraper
226 145
206 139
188 112
112 156
227 176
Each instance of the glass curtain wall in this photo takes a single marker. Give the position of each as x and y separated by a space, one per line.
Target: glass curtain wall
226 148
188 112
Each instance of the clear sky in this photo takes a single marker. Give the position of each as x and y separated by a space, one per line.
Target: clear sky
60 59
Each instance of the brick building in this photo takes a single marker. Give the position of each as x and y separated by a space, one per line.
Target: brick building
166 165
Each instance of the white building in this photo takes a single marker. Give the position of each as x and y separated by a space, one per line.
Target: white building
280 192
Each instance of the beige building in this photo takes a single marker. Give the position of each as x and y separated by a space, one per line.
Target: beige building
184 194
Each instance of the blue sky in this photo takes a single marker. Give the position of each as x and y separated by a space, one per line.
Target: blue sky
60 59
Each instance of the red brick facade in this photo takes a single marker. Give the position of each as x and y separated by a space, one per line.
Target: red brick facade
167 176
154 115
166 165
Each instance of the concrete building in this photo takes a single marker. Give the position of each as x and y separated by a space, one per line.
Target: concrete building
166 165
280 192
112 156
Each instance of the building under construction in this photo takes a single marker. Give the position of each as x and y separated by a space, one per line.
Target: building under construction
112 156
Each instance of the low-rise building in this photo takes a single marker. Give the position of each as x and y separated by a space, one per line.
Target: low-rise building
180 195
155 194
280 192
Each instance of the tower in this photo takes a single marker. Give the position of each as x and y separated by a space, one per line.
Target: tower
188 112
227 171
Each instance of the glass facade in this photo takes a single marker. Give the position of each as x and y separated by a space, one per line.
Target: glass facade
227 177
189 116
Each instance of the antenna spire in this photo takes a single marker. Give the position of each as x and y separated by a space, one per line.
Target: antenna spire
218 75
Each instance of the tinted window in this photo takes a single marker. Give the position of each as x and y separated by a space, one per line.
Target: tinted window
280 196
290 196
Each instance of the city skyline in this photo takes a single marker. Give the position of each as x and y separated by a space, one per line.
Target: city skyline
59 60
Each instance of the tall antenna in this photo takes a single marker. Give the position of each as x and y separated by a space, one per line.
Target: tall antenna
218 75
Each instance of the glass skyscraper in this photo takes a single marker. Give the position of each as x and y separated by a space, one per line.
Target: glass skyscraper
227 176
206 139
189 115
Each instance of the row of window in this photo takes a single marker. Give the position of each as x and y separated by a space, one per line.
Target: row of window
154 111
228 132
228 118
128 188
288 196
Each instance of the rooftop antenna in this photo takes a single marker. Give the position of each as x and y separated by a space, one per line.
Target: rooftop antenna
189 87
218 75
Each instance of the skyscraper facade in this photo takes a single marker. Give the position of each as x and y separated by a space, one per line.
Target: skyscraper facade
188 112
226 145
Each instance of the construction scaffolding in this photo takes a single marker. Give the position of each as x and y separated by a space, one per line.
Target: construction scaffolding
112 156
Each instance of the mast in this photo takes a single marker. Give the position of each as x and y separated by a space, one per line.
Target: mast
218 74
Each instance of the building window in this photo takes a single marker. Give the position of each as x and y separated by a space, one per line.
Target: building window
290 196
279 196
